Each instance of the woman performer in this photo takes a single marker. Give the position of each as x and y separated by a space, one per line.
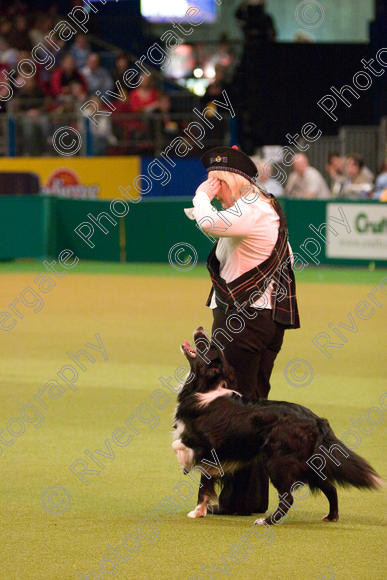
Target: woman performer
251 271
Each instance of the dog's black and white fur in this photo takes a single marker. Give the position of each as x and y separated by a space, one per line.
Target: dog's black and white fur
211 414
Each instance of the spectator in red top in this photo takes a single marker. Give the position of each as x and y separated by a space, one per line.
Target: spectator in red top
64 76
146 98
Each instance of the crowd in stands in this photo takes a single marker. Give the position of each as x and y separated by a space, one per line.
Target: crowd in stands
349 178
76 77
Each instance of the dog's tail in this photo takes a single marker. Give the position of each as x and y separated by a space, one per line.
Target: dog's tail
343 466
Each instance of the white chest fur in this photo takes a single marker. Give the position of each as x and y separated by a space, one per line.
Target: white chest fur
185 455
207 398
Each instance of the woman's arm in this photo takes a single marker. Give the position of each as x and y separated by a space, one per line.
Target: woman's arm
236 221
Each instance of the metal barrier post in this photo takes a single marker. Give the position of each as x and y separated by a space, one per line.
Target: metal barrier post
89 139
11 137
233 131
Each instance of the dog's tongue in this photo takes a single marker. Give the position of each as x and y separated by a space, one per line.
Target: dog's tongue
188 347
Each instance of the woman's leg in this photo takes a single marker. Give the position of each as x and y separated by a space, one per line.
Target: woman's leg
259 476
268 357
251 353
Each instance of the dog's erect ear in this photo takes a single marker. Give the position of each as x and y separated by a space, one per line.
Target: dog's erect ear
212 354
217 355
203 345
229 375
209 352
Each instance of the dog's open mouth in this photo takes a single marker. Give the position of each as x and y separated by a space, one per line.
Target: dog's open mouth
187 349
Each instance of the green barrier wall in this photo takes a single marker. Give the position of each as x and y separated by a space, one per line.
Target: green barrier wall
35 227
67 214
24 226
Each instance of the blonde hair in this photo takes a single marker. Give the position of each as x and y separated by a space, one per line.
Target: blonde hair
239 185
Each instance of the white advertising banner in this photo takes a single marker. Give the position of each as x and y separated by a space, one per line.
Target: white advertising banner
367 239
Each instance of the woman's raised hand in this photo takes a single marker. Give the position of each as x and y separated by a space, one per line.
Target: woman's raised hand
211 187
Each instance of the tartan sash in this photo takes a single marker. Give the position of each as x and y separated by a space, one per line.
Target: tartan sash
250 286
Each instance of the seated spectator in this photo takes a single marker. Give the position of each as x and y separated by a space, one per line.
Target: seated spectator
8 55
335 168
53 11
42 27
30 96
265 177
102 136
72 101
380 191
21 55
34 122
64 76
145 98
80 50
169 126
5 29
97 77
122 63
305 181
359 178
16 7
18 36
215 89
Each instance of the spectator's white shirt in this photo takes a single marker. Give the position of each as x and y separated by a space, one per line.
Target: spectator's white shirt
274 187
311 183
247 234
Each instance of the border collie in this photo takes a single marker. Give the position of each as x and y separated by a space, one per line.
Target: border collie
211 416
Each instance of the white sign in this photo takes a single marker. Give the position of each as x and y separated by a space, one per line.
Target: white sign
368 236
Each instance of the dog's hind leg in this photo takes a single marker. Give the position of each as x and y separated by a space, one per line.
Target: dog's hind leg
330 492
281 477
284 504
206 492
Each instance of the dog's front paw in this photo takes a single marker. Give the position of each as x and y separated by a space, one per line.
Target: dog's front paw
262 522
198 512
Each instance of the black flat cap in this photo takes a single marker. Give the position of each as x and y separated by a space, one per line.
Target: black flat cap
230 159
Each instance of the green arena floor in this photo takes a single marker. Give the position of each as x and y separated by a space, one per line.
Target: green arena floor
136 316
